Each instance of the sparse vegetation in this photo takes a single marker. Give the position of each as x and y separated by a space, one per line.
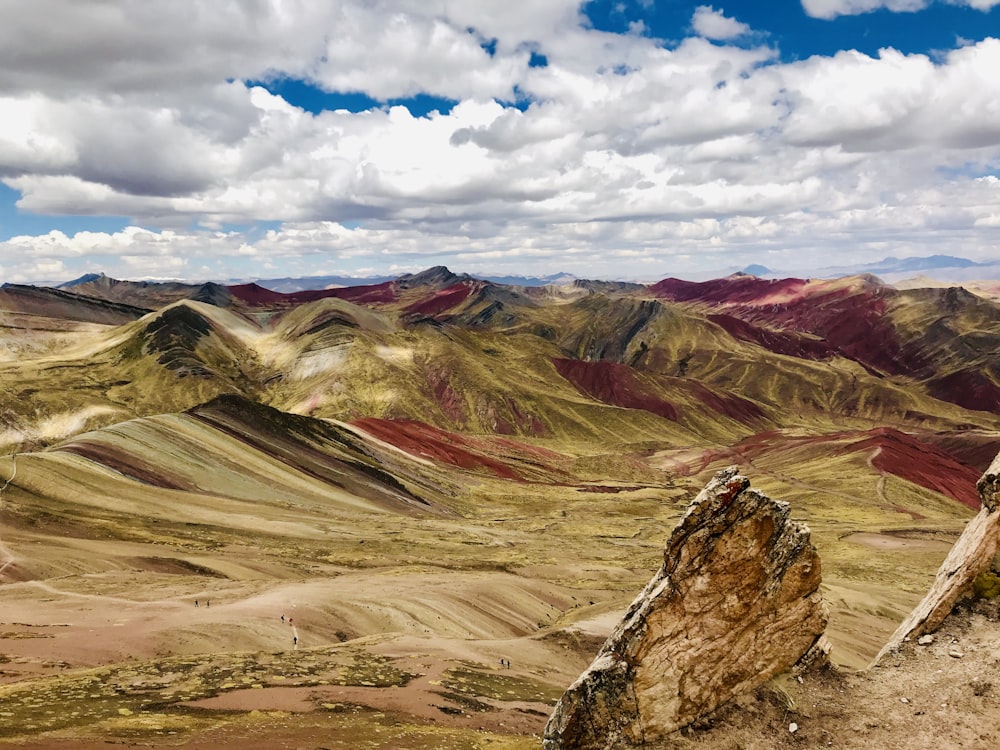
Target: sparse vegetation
481 504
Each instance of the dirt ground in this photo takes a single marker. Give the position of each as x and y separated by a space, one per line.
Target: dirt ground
943 695
318 630
81 670
419 691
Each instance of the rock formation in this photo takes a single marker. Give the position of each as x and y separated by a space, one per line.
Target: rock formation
735 602
970 556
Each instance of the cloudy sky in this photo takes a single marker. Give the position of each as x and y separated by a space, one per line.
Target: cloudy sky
220 139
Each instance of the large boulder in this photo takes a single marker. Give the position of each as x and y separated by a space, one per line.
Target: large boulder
735 603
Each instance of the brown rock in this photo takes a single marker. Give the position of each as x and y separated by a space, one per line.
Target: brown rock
989 486
971 555
735 603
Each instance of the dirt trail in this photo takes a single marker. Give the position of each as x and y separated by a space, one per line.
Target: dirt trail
880 484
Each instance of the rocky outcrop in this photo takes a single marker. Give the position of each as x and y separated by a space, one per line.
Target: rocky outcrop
971 555
735 603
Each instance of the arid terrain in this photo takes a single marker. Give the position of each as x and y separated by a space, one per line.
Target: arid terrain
233 518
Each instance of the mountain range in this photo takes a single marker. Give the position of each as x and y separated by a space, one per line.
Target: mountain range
465 465
936 268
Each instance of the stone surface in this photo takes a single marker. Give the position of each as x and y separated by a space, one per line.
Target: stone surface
735 602
971 555
989 486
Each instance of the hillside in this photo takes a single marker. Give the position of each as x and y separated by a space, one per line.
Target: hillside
433 473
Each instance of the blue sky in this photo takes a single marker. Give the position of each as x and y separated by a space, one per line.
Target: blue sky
781 24
618 139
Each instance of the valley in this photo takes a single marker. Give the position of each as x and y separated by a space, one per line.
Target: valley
326 517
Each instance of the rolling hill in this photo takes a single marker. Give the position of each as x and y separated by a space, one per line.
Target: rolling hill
435 472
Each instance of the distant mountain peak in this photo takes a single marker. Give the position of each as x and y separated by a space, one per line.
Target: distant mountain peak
555 279
914 263
85 279
432 276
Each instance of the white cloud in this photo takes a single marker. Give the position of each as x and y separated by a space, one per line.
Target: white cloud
896 102
714 24
387 48
632 152
830 9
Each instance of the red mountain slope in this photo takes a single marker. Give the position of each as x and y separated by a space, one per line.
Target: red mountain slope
258 296
621 385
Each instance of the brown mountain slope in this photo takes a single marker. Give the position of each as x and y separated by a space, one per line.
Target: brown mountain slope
57 305
484 363
151 294
940 337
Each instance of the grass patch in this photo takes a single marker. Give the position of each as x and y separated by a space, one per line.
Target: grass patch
468 682
161 687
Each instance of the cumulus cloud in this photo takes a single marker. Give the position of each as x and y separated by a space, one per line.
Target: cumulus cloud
622 148
387 48
830 9
714 24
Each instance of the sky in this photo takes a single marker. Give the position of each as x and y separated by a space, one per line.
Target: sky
613 139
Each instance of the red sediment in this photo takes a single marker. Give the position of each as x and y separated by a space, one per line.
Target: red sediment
621 385
974 449
921 463
734 407
367 293
258 296
894 452
452 403
529 423
734 289
421 439
851 321
532 451
445 299
614 384
970 389
779 342
855 324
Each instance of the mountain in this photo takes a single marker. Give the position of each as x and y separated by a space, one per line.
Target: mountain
939 338
558 279
55 304
939 268
890 269
432 473
290 284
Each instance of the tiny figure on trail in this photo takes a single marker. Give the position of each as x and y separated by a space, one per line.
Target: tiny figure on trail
282 618
208 603
196 602
295 640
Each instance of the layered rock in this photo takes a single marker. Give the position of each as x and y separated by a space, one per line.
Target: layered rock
971 555
735 602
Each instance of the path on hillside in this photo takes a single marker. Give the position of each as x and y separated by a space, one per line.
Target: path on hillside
789 479
880 484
